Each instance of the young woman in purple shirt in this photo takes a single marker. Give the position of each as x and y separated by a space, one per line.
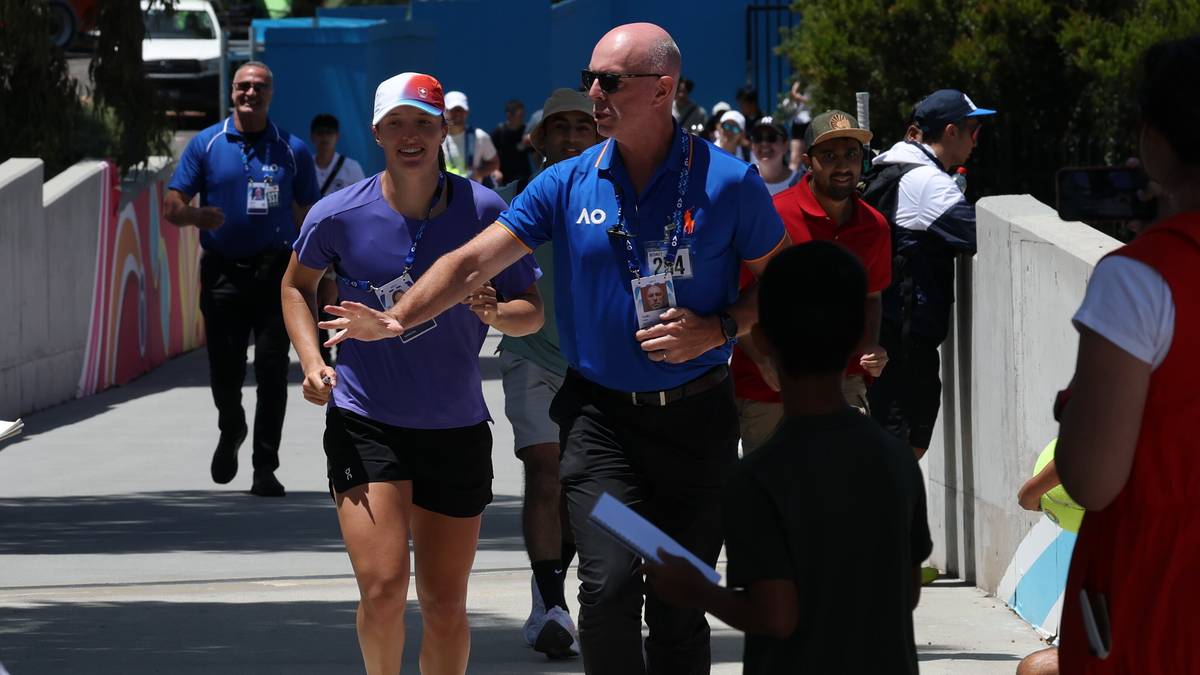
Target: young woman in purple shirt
407 436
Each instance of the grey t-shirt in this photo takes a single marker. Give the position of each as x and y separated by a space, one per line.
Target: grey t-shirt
831 494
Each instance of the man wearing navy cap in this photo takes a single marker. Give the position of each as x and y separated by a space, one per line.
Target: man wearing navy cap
256 182
645 414
932 222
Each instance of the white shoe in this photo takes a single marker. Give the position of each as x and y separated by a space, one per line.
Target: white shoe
550 632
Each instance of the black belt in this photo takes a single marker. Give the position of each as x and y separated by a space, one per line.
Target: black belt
699 385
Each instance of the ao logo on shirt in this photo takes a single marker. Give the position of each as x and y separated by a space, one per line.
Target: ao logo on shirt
594 217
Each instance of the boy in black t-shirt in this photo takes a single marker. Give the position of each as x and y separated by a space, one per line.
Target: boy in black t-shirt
830 486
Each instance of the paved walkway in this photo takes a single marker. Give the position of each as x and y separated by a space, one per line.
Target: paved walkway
118 554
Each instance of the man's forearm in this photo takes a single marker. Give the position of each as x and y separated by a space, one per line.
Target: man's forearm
737 608
873 319
745 310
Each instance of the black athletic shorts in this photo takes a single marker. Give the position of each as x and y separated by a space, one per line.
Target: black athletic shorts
450 469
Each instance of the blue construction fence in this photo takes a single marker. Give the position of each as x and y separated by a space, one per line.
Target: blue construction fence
492 51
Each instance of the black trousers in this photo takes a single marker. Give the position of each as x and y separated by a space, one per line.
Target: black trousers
666 463
906 398
239 298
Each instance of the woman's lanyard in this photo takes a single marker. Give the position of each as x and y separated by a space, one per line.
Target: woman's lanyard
620 230
416 240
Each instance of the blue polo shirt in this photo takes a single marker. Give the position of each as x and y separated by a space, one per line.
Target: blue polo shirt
212 166
574 202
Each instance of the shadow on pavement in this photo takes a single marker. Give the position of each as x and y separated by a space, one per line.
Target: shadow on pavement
234 638
199 520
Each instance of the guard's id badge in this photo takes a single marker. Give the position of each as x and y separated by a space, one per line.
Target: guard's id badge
256 198
652 296
272 195
656 260
389 294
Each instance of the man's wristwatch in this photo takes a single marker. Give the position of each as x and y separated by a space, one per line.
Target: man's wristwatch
729 327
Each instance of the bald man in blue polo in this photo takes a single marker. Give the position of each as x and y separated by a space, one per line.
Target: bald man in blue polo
645 414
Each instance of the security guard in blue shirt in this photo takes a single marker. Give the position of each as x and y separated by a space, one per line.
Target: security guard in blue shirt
255 183
646 412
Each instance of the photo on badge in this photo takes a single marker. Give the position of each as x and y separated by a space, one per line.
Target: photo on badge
390 293
651 297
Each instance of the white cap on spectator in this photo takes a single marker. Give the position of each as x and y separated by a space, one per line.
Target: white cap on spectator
734 116
720 107
456 99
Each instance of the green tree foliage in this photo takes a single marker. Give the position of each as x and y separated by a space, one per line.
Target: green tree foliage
122 87
1061 73
39 102
41 108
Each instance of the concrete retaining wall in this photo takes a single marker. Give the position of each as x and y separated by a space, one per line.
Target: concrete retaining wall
47 260
57 251
1012 347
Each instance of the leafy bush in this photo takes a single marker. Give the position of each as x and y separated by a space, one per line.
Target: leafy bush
1060 73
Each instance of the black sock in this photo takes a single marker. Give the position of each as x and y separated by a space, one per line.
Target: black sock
549 578
568 554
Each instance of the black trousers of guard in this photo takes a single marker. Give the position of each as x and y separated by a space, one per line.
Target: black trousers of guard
239 298
908 394
666 463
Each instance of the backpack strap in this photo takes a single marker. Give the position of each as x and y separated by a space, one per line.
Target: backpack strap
333 174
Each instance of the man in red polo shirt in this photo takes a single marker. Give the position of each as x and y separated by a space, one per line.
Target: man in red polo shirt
824 205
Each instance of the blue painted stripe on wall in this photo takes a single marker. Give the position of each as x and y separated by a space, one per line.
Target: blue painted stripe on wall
1042 585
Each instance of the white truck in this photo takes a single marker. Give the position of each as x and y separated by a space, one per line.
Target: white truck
182 54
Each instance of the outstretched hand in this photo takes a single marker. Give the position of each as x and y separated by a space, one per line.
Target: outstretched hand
676 581
356 321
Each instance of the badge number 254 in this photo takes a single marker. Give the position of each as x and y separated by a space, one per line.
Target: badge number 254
656 260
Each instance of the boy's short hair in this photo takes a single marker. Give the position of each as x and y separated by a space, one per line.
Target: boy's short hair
324 122
811 302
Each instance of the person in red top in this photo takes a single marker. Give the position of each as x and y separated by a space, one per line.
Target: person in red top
823 205
1128 450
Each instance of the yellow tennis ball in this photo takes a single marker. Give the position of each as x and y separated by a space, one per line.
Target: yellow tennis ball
1056 503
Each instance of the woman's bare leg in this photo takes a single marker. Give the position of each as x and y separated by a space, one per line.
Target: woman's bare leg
444 550
375 523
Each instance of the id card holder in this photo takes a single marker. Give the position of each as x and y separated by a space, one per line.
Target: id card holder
389 294
272 195
652 296
656 260
256 199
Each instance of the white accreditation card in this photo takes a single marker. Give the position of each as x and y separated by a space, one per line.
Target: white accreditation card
257 202
652 296
389 294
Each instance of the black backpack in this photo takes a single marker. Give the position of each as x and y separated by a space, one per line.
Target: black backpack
880 186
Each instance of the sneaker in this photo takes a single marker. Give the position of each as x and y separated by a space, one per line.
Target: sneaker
551 632
266 485
537 615
224 461
557 638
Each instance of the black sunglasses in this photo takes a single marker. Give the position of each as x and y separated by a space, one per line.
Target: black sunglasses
765 137
609 82
245 86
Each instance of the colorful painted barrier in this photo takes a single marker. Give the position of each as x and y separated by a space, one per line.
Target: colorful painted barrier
145 302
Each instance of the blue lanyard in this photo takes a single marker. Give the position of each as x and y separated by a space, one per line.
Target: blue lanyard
632 260
268 174
416 239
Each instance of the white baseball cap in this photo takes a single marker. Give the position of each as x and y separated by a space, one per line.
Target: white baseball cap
734 116
456 99
418 90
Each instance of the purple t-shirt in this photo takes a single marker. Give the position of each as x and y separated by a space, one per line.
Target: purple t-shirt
432 382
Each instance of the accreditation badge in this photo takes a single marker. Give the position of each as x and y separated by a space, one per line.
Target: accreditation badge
272 195
257 202
652 296
390 293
